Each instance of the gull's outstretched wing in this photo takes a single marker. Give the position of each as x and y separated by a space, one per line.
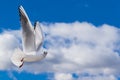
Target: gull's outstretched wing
28 37
38 35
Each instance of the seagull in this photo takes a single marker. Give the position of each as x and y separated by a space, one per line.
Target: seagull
32 40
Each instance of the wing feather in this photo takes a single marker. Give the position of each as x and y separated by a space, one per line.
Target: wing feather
38 35
28 37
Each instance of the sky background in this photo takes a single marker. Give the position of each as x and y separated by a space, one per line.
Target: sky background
95 32
93 11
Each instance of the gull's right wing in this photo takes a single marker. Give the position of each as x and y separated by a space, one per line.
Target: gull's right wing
28 37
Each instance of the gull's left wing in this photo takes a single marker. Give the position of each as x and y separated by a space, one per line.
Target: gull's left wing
38 35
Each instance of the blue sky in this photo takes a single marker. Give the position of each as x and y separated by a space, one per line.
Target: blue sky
96 12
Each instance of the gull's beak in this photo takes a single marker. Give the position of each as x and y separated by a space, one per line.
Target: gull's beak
45 53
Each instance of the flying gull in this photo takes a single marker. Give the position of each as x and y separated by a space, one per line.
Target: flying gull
32 39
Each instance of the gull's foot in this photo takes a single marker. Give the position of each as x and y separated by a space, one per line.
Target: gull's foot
21 65
22 59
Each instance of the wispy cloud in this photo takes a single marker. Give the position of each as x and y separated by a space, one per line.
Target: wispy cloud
77 47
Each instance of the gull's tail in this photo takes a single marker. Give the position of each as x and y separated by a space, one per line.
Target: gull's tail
17 57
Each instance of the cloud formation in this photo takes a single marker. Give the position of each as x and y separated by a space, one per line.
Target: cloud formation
73 48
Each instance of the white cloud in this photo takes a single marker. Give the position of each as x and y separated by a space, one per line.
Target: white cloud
8 42
63 76
72 48
110 77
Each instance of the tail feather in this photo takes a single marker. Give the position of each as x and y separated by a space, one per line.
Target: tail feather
17 56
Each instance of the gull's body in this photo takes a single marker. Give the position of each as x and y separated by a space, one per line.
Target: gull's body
32 39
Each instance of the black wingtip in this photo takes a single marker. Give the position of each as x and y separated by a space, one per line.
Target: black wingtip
35 24
20 7
22 14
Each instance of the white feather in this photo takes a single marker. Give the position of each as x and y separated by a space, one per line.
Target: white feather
17 57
